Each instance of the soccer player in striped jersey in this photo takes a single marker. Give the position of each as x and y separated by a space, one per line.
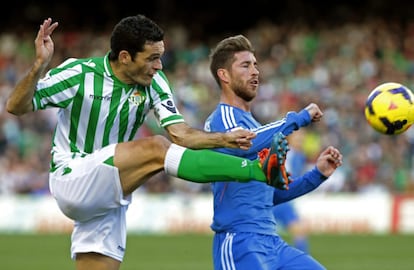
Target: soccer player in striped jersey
243 220
96 160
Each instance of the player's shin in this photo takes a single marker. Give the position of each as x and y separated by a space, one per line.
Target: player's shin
203 166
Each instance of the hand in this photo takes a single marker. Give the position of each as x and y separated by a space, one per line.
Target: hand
314 111
44 43
329 160
240 138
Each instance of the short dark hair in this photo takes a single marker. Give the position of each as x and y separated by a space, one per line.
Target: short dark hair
132 33
223 55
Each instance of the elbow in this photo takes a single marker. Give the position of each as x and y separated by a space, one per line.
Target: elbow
179 140
13 109
180 134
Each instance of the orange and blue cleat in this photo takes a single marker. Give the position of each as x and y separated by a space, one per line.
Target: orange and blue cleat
273 162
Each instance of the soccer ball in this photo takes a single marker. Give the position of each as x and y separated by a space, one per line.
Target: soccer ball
388 108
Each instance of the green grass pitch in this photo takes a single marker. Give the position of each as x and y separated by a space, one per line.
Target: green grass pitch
190 252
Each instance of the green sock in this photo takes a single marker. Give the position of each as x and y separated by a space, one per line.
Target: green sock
204 166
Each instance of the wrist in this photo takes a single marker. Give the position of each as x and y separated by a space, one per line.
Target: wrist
304 118
319 174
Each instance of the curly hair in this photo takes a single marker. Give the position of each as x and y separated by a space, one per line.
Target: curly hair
132 33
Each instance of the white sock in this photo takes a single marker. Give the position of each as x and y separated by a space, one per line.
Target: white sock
173 159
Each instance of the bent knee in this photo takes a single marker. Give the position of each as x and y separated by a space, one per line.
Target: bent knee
152 148
159 143
156 145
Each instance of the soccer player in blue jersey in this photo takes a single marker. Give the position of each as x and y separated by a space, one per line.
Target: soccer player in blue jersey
245 237
96 161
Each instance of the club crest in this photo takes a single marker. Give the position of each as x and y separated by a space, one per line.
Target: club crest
137 97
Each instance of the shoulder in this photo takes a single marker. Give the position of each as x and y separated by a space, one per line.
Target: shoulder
160 83
160 79
79 65
161 75
223 118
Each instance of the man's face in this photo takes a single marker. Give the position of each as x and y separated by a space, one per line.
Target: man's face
244 75
145 65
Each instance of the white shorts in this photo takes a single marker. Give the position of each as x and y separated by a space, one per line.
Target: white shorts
89 191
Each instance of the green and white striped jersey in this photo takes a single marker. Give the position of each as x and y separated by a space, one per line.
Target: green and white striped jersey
96 109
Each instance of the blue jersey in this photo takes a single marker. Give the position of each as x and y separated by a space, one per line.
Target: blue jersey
247 207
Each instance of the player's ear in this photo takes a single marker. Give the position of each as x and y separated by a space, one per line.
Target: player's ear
223 74
124 57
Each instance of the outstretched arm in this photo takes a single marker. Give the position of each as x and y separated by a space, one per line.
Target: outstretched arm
328 161
184 135
20 100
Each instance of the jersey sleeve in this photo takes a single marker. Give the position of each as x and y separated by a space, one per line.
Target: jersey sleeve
165 109
57 88
293 121
300 186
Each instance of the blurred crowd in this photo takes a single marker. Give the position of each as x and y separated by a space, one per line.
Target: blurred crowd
335 66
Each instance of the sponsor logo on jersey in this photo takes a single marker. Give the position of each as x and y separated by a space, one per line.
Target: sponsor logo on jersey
105 98
89 63
169 105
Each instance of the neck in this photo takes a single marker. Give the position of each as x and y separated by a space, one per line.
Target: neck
235 101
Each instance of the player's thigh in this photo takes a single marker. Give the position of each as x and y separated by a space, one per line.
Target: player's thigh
244 251
104 235
79 185
140 159
302 262
291 258
95 261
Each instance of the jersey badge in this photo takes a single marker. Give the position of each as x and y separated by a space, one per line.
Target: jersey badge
137 98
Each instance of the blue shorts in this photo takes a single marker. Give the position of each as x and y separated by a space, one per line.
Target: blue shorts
247 251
